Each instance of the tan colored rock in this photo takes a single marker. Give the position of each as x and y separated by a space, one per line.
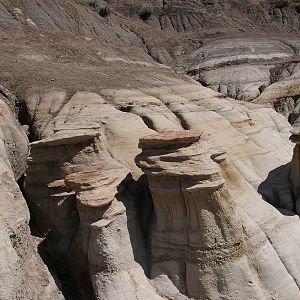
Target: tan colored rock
89 111
90 131
201 235
23 275
109 232
169 139
92 91
87 209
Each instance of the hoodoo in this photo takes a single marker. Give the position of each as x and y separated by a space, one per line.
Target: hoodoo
200 238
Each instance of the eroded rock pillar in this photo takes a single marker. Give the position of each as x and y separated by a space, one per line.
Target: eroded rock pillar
110 233
197 237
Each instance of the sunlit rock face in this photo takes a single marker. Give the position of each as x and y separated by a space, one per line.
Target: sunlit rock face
201 239
87 206
221 222
86 158
251 69
234 67
87 149
110 235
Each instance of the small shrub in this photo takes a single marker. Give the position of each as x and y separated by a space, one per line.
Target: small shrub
288 3
297 7
103 11
283 3
146 13
99 6
277 70
167 5
293 4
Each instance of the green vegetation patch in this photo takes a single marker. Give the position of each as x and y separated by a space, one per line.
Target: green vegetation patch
288 4
99 6
167 5
146 13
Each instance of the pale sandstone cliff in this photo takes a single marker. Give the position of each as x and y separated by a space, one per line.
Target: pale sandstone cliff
79 154
220 219
23 274
209 245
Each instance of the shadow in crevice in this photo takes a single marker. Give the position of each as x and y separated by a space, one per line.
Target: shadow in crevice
56 264
276 189
58 267
136 197
61 253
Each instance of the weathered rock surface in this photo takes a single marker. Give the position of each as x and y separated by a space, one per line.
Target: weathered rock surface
203 239
250 69
87 206
85 166
110 234
90 91
22 272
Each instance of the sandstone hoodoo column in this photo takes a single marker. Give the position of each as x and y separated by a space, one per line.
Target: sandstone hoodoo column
197 237
83 198
107 225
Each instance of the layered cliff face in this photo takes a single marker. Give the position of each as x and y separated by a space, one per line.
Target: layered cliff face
201 238
80 171
249 68
23 274
88 212
247 50
221 219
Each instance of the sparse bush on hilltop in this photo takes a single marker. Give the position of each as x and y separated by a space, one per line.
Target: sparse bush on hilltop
99 5
146 13
283 3
288 4
297 6
167 5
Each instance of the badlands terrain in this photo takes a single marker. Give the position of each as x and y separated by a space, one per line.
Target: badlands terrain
149 150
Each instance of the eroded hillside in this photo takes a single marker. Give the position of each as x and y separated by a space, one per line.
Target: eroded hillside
158 167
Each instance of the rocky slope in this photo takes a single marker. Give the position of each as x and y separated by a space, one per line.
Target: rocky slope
141 182
209 245
23 274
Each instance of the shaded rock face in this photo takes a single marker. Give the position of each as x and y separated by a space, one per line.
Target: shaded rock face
22 272
14 143
201 239
295 171
285 107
